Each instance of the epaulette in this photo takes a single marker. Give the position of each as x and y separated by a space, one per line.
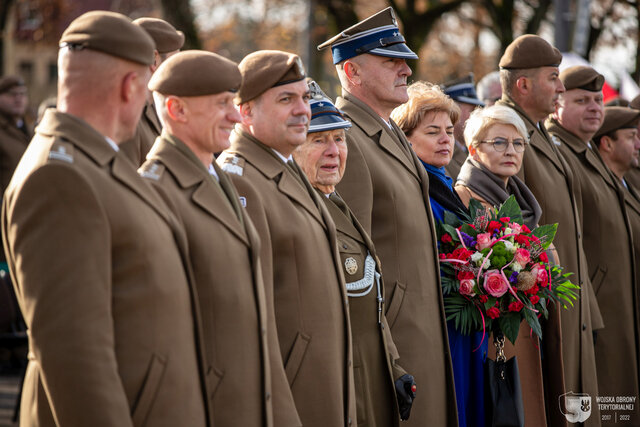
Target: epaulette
152 170
556 140
233 164
62 151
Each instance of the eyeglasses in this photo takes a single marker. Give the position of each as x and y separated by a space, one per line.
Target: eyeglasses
501 144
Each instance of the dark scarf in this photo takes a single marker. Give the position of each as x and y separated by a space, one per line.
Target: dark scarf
443 193
492 189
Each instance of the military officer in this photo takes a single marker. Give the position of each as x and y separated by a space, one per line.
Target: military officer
322 158
168 42
606 233
489 89
300 261
194 91
387 189
96 256
530 85
464 94
632 176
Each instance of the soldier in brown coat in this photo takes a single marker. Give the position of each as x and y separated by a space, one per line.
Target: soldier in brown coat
97 259
387 189
377 374
531 86
300 261
195 92
606 234
168 42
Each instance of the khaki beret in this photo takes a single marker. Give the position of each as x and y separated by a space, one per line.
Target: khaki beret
635 103
618 102
111 33
165 36
582 77
196 73
9 82
618 118
265 69
530 51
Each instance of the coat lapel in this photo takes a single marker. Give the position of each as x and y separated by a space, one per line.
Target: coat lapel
152 117
371 124
343 224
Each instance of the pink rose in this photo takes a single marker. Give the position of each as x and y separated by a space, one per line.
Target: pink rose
515 227
541 275
484 241
466 287
522 256
495 284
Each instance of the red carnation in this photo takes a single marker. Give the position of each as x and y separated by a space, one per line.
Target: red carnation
462 275
483 298
493 313
522 239
493 225
446 238
534 299
544 257
442 256
533 290
516 306
525 229
505 219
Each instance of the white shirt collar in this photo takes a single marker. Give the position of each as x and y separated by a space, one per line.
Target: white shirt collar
284 159
212 172
112 143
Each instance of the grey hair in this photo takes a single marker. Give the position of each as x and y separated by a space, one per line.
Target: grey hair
484 84
481 119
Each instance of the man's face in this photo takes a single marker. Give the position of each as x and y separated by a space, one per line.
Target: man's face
13 102
546 88
279 118
581 112
211 118
323 158
626 145
384 80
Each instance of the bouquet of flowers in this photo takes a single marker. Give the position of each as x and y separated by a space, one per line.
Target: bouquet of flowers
495 269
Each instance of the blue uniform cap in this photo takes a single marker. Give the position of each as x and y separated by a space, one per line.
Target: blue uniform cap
324 115
464 92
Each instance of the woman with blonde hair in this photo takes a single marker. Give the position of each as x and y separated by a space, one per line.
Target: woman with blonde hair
427 119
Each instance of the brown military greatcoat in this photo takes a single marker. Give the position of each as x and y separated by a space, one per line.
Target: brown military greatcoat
608 246
243 364
374 353
98 263
148 129
387 189
302 275
550 180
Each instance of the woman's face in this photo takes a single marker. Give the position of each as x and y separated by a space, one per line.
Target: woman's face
432 139
503 164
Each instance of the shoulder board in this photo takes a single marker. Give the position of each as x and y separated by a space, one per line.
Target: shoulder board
62 151
233 164
152 170
556 140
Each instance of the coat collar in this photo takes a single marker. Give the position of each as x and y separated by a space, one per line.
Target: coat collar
538 136
9 126
152 117
274 169
207 194
86 139
391 140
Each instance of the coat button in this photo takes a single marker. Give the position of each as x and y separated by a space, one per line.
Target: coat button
584 326
268 396
344 246
264 331
350 422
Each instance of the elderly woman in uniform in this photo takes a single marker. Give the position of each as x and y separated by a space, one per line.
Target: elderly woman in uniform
380 400
428 119
497 140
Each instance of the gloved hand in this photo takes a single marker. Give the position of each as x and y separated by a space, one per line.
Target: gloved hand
406 392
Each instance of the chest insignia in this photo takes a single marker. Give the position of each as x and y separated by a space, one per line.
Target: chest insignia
351 265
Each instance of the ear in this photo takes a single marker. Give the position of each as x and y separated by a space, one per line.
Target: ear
156 62
524 85
353 71
606 144
473 152
130 86
177 109
246 112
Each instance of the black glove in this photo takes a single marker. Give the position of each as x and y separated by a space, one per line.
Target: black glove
406 392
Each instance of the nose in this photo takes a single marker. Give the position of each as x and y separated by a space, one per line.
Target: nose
510 149
234 115
332 149
444 138
405 70
560 86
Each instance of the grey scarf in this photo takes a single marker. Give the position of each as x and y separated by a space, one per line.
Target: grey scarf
491 188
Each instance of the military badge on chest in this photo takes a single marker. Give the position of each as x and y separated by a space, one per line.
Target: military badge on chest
351 265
